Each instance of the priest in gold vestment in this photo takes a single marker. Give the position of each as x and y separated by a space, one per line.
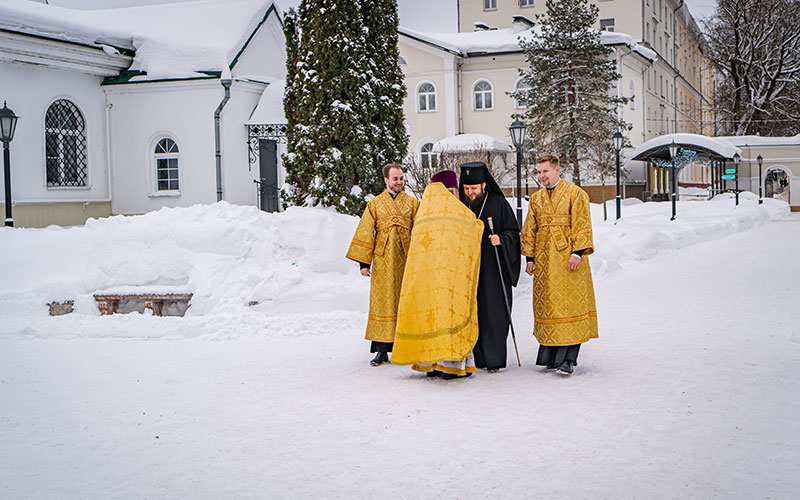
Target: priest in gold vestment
380 246
437 318
557 240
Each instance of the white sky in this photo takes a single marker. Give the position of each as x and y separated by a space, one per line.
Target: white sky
422 15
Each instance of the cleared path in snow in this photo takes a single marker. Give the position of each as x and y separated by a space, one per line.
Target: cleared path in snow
689 392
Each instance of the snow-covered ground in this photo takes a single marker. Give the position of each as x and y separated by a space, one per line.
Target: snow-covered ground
690 391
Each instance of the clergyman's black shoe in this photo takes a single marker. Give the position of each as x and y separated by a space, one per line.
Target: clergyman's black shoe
434 373
565 368
379 359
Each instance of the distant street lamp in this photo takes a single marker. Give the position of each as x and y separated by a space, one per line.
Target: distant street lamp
760 160
517 130
736 160
531 156
8 124
617 138
673 152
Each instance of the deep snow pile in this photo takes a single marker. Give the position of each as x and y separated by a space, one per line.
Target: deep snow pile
284 273
228 256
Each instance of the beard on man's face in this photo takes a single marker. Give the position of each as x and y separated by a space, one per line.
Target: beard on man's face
476 202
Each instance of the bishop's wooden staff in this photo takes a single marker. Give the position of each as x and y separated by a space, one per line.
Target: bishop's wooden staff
505 295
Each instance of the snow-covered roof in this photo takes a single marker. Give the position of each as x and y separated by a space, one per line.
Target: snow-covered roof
501 40
656 147
506 40
463 143
757 140
270 106
172 40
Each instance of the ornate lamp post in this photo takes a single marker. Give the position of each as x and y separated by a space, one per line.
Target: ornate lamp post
673 152
8 124
760 160
617 139
736 160
517 130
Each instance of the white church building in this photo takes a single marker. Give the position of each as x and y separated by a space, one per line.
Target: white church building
125 111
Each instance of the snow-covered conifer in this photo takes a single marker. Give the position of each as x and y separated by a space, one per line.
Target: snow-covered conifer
569 76
388 138
341 101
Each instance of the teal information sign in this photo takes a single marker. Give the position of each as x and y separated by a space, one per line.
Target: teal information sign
730 170
728 177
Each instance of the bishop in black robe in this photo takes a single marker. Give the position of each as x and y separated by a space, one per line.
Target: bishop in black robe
493 316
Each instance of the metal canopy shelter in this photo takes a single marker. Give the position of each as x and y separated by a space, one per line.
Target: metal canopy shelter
691 148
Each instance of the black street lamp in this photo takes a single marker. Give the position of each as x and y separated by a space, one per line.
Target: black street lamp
673 152
531 156
736 160
517 130
617 138
760 160
8 124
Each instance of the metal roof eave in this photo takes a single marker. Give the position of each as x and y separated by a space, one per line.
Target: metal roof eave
662 152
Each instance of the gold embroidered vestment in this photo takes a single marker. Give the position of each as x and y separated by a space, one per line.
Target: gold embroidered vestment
559 223
438 312
382 240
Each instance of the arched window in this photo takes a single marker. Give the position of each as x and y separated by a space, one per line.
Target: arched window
426 97
428 158
65 145
521 86
166 155
483 92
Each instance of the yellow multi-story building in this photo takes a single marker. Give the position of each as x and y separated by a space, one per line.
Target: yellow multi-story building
459 83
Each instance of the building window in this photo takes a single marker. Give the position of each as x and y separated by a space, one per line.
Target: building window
526 3
521 86
428 158
489 4
483 94
607 24
65 145
633 94
166 156
426 97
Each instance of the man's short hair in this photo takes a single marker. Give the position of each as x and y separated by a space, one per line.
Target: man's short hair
548 157
388 167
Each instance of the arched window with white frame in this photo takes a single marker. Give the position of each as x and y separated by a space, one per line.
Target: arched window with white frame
483 94
521 86
426 97
427 157
167 157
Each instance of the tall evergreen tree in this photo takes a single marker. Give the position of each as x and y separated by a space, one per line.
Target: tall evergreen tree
342 101
569 76
389 138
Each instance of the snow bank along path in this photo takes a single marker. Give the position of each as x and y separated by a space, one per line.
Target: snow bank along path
291 265
690 392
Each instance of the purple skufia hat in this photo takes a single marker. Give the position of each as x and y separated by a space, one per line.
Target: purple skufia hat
447 177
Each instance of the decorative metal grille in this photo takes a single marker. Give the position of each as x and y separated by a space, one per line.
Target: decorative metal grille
65 145
274 131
